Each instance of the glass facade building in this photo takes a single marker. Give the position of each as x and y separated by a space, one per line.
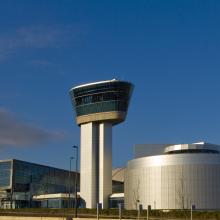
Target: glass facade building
24 184
20 181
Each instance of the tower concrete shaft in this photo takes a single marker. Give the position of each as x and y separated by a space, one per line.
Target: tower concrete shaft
96 163
105 163
88 164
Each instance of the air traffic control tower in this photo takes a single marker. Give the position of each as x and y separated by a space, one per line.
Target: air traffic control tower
98 106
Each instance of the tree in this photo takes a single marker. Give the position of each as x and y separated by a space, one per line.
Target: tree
180 193
183 199
136 194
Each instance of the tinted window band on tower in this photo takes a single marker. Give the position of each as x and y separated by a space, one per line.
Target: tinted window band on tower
115 86
110 96
97 97
101 107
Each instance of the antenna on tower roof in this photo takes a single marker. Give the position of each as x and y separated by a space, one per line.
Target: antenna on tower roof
114 76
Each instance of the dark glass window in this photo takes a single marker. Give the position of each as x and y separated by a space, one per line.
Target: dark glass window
113 96
41 179
103 87
100 97
5 173
101 107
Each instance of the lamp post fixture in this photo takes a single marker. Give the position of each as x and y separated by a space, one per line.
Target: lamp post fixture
76 147
71 158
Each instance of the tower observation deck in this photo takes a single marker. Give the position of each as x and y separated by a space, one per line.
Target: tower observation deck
98 107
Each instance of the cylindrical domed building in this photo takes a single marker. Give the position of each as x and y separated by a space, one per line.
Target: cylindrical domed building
183 175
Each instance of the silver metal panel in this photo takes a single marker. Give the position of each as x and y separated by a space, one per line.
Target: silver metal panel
195 146
144 150
173 181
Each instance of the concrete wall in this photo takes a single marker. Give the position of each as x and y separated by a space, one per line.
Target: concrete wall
96 164
88 164
105 163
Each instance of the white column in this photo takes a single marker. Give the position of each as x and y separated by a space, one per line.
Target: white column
88 164
105 163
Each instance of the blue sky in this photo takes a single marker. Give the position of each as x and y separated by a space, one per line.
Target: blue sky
170 50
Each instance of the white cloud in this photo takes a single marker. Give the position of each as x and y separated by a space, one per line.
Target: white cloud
37 37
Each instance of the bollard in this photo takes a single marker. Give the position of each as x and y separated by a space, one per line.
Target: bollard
147 214
98 206
119 211
148 211
193 207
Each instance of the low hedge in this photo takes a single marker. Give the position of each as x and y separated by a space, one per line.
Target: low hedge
113 213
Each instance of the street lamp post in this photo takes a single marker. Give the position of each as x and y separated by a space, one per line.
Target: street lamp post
76 147
71 158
